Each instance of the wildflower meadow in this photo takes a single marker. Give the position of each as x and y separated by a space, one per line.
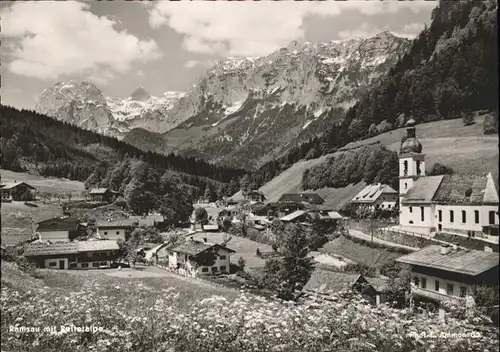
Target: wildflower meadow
130 315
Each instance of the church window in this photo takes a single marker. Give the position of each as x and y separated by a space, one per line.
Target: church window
422 217
440 215
406 167
492 217
406 185
476 216
411 209
418 167
464 216
452 217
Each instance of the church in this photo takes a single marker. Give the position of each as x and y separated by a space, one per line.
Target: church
457 204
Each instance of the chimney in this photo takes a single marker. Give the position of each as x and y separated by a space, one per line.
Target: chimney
445 249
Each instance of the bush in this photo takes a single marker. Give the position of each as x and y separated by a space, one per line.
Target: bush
490 124
25 265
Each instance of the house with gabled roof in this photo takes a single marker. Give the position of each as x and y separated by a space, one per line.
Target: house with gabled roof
441 273
457 204
114 230
376 196
16 190
60 229
328 282
73 255
193 258
103 194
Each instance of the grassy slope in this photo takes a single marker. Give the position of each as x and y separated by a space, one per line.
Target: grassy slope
43 184
465 149
17 220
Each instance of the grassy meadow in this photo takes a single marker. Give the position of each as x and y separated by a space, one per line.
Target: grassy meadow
171 313
45 185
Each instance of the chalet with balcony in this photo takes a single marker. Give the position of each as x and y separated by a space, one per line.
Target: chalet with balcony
114 230
73 255
18 191
442 273
193 258
103 195
255 196
376 196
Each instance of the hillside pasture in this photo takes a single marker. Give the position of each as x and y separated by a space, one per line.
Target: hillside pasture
449 142
17 219
44 185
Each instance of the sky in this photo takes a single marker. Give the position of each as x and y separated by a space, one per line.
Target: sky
166 46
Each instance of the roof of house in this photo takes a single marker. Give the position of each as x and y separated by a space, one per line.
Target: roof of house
98 191
194 247
149 220
423 190
373 257
11 185
466 189
313 198
58 224
371 193
102 245
299 205
335 215
468 262
325 281
256 192
41 248
115 224
293 215
379 284
210 227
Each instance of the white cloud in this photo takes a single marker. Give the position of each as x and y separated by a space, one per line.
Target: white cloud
256 28
48 40
196 63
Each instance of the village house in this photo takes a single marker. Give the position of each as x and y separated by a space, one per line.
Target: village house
114 230
376 196
61 229
279 210
255 196
450 272
326 283
457 204
73 255
17 191
311 198
194 258
319 214
103 195
155 220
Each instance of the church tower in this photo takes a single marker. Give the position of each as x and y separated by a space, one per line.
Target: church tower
411 161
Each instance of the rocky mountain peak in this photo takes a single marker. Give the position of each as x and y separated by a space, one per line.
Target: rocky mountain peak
140 94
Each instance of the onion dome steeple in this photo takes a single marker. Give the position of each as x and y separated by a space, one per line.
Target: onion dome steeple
411 144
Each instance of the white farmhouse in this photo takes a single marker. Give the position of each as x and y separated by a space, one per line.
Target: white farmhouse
462 204
376 196
441 273
193 258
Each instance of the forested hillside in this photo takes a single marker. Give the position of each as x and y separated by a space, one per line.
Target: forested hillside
450 71
41 145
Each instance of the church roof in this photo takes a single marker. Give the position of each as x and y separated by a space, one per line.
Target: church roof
453 189
423 190
466 189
